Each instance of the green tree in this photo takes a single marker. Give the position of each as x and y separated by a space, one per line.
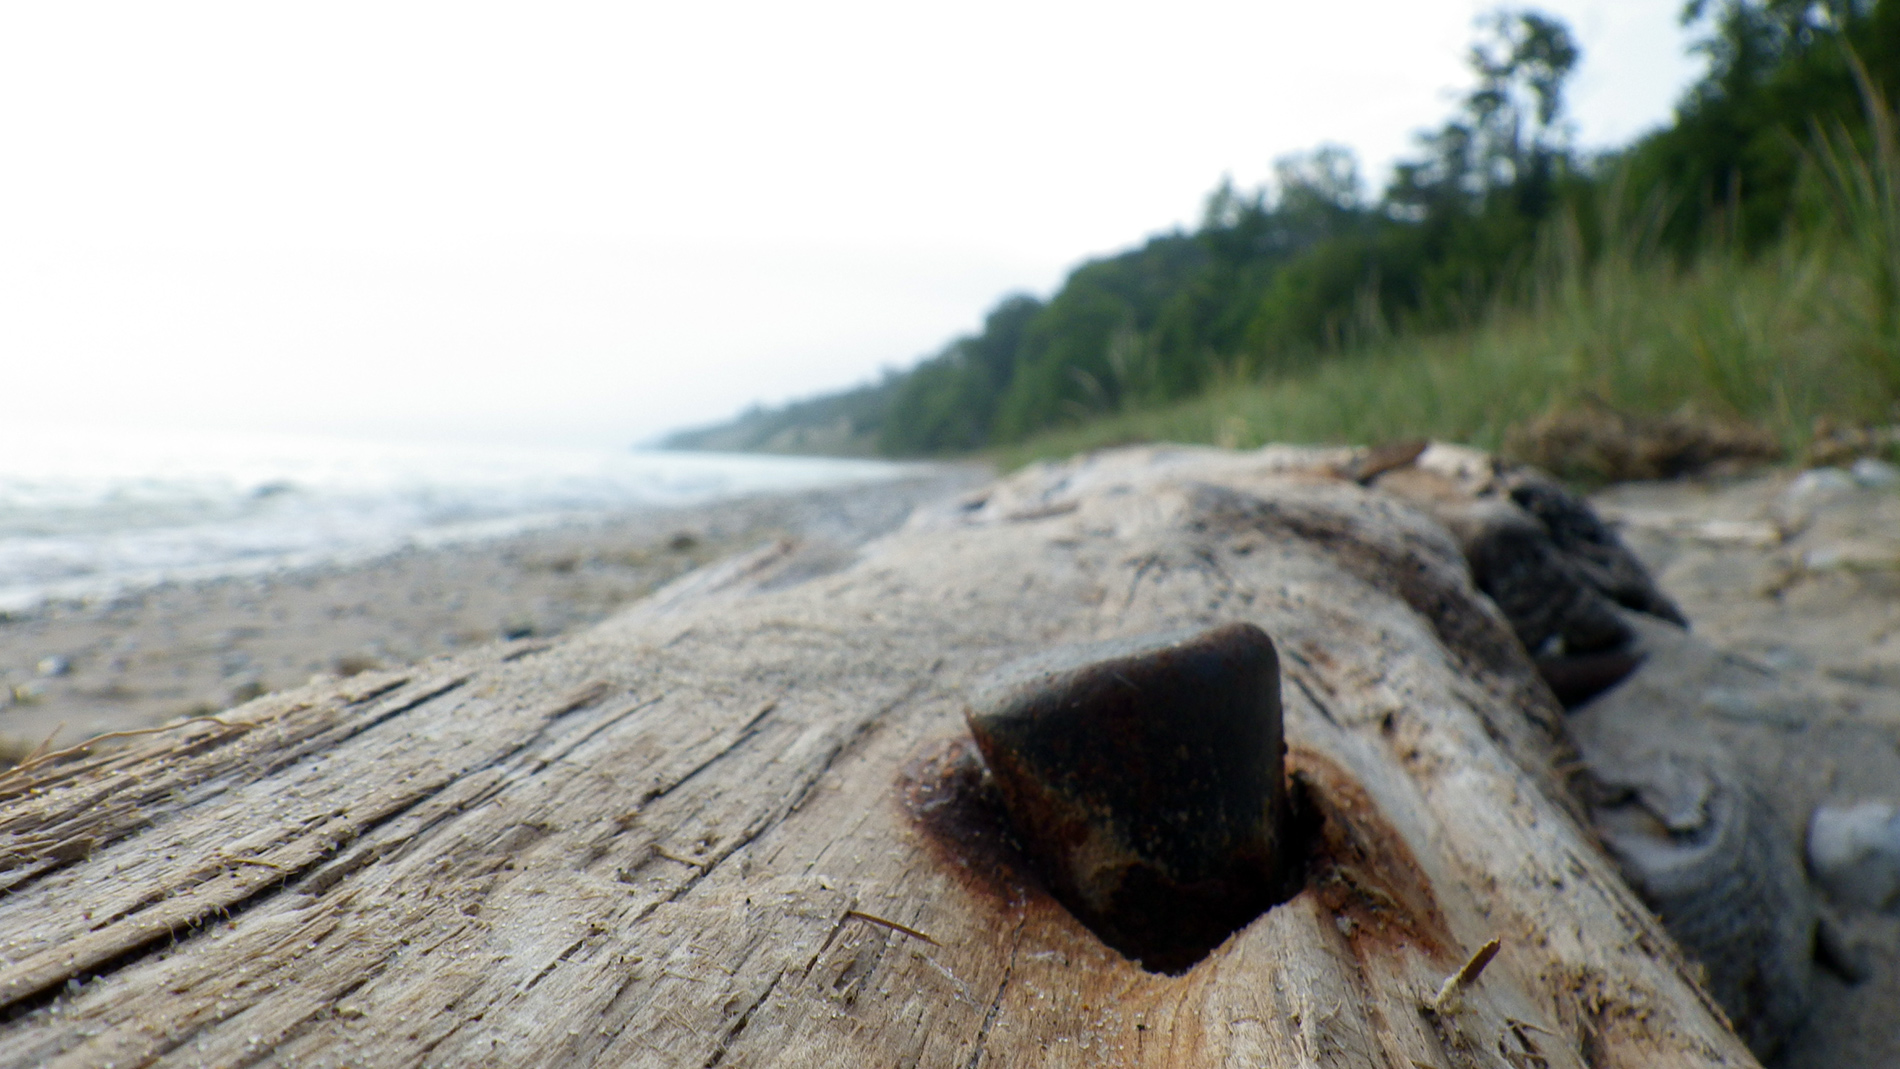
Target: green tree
1730 164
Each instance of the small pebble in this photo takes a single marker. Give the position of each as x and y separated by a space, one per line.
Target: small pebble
1875 473
1819 482
1854 853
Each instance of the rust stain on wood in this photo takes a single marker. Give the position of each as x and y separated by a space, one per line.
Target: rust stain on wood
1361 869
962 818
1356 863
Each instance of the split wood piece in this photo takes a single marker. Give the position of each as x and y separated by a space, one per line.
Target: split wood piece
1147 778
1558 572
1696 836
656 843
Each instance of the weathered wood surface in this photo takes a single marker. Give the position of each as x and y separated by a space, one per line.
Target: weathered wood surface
673 840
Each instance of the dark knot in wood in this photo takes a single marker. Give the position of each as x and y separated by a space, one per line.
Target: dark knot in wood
1146 780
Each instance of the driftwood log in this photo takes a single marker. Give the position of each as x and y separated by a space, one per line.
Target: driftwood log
741 825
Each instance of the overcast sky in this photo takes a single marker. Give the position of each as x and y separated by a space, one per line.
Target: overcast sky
591 223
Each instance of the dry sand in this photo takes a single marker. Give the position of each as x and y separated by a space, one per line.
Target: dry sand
1796 579
1799 572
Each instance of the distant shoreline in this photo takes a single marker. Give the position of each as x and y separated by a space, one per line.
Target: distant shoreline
85 516
140 657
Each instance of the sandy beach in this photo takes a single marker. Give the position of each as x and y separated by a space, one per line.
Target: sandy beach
80 668
1799 571
1801 574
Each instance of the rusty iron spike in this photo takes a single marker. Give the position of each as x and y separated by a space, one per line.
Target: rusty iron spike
1146 780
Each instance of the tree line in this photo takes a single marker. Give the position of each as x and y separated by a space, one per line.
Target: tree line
1277 278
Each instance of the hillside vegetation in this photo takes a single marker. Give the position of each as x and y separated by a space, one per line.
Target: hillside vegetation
1739 268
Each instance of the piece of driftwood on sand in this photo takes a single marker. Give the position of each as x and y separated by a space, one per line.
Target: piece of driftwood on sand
737 826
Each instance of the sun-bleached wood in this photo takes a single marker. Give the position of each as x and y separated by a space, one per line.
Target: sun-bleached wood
691 836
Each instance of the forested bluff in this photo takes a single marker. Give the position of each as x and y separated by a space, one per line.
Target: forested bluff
1277 281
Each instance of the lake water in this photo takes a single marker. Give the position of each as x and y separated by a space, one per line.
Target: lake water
93 513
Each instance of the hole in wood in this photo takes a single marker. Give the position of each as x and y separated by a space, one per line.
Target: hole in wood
954 800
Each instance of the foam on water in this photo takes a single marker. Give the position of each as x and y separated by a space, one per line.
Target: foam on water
86 513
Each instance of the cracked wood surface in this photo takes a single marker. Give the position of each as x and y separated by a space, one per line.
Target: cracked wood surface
692 836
